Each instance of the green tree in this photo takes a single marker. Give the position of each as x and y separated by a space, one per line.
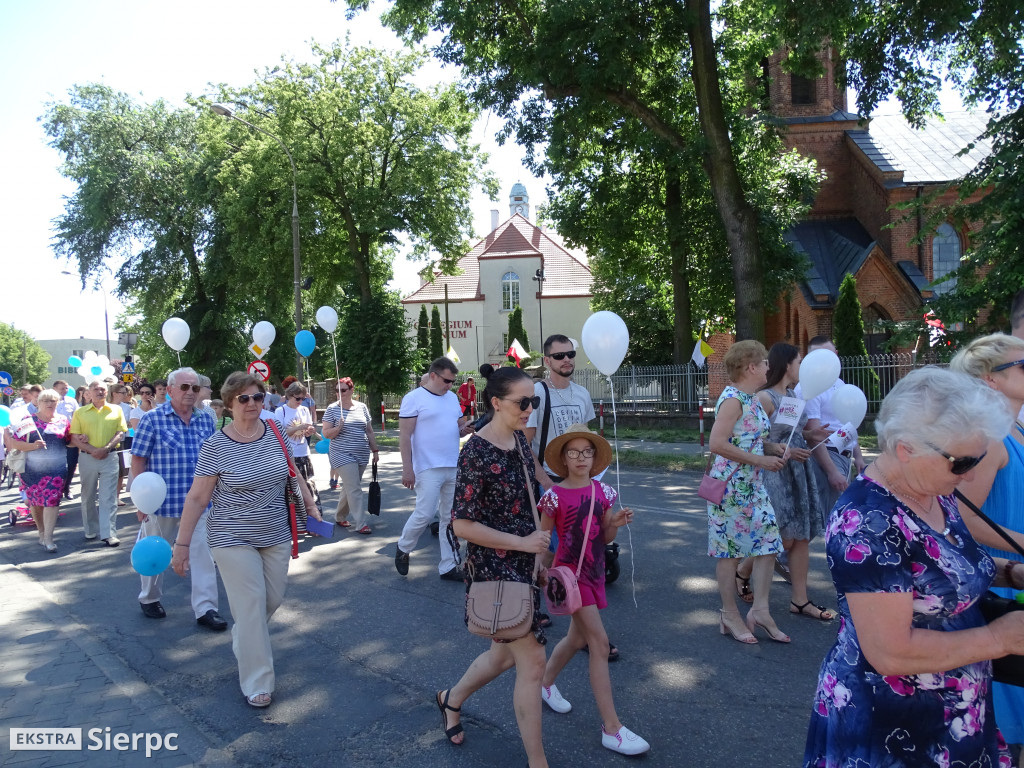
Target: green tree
423 339
516 329
436 335
22 357
848 335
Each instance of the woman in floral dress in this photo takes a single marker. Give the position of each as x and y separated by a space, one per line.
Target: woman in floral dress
907 682
44 437
493 512
743 525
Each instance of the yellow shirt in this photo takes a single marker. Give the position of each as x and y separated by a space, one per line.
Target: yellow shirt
99 426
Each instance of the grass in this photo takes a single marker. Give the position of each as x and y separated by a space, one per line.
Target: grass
662 462
657 435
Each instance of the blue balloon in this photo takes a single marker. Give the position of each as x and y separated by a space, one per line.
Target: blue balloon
305 343
151 556
96 370
5 416
325 445
75 361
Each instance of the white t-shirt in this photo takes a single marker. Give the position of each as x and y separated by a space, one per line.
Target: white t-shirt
288 416
568 406
435 440
820 408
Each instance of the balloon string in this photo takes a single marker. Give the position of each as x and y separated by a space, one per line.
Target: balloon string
618 490
334 347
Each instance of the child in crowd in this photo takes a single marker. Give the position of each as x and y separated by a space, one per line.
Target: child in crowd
578 455
223 419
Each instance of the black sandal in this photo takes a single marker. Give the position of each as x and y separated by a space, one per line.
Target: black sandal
613 652
822 610
456 729
743 590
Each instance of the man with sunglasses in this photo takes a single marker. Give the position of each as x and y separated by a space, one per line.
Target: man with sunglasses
562 403
167 442
96 429
430 424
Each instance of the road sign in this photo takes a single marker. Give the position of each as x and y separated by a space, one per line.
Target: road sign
8 391
127 378
127 367
257 350
260 368
6 379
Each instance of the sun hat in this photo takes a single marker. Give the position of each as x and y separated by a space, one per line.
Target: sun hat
602 450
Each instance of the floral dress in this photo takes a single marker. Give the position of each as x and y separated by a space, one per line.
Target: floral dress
43 478
943 718
744 524
490 488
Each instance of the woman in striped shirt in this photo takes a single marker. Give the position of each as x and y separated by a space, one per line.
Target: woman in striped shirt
348 426
243 470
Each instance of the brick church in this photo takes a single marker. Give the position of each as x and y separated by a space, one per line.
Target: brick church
872 165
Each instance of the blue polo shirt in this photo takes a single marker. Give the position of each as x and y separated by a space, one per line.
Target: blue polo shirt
172 449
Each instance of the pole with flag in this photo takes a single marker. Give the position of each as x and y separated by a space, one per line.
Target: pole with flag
517 352
701 352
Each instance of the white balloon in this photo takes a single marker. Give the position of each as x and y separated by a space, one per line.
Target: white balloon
849 404
327 319
90 355
264 333
818 371
176 333
605 340
148 492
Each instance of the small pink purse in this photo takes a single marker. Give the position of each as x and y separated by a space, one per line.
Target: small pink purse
712 489
563 590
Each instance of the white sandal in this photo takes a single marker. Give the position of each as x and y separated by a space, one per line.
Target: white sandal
259 700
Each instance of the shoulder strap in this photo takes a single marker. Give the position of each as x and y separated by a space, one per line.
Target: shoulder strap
533 501
545 421
291 468
586 528
991 523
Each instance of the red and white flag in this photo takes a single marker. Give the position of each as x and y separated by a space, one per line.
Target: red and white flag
517 351
936 329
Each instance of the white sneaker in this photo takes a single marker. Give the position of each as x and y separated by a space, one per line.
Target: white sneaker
550 696
625 742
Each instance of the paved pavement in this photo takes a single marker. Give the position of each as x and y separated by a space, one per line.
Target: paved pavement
359 652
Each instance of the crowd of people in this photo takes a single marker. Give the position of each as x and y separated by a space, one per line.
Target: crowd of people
908 680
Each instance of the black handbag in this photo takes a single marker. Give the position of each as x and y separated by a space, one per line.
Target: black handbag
373 495
1008 669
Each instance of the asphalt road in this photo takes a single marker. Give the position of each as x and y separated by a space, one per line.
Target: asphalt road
360 651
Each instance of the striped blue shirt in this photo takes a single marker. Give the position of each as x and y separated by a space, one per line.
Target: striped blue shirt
352 444
171 449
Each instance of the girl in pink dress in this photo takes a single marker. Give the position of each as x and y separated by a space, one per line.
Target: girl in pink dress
578 455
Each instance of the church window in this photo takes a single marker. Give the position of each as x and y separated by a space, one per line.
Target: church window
802 90
509 291
945 257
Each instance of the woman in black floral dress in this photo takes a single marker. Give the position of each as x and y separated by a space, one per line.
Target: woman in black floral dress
493 512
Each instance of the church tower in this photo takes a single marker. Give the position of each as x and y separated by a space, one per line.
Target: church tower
519 201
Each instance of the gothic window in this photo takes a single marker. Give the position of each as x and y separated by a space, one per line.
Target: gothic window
509 291
945 256
802 90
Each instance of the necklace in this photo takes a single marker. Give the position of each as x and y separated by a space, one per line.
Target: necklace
903 496
558 391
242 434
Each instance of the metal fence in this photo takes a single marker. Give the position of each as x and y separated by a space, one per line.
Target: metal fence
680 389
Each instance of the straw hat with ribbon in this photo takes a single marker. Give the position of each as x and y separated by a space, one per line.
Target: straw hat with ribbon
602 450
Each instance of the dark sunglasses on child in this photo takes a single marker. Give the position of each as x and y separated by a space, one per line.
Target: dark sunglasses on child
561 356
525 402
257 398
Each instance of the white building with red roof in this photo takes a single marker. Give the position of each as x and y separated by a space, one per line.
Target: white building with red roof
500 272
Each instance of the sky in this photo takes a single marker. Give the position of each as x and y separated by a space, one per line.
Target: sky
152 50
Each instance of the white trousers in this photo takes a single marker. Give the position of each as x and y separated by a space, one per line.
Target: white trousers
99 494
200 562
435 492
255 580
351 500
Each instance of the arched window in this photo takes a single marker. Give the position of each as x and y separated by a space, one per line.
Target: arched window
945 256
802 90
509 291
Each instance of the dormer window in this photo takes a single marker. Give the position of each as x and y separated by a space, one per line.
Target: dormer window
509 291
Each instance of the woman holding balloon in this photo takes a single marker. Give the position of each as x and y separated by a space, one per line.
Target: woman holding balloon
347 424
743 524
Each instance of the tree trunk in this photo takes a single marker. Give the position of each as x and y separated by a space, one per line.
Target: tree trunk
682 326
738 217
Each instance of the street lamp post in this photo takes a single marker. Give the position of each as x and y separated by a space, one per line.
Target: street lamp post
220 109
539 277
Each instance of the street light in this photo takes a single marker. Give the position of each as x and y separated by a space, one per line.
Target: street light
539 277
224 111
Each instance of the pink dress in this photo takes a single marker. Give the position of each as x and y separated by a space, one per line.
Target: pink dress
569 508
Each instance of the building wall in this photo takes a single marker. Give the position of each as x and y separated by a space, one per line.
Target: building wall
61 349
826 144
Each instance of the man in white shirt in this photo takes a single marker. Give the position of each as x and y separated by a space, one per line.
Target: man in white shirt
430 424
562 403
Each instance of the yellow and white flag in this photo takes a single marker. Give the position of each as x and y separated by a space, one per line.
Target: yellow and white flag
701 351
452 355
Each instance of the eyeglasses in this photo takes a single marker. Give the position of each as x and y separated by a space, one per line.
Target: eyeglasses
186 387
562 355
959 465
525 402
257 398
449 382
1005 366
586 453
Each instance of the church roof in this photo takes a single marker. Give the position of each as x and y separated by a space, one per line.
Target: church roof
565 273
833 247
929 155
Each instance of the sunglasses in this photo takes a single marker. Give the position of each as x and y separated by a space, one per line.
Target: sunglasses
449 382
562 355
257 398
525 402
586 453
186 387
343 390
959 465
1005 366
